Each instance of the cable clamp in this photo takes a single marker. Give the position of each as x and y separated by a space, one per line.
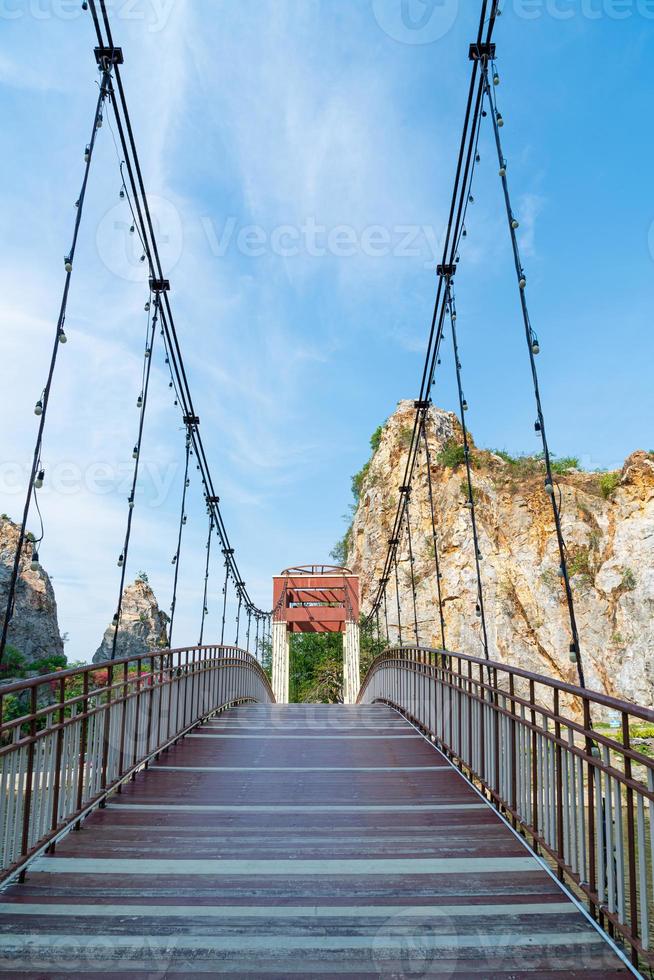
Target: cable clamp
108 56
482 51
212 500
159 285
191 420
447 271
406 489
422 406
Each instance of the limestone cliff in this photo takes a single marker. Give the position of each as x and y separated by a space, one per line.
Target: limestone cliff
608 525
143 626
34 629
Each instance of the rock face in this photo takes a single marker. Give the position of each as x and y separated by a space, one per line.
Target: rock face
34 629
608 526
143 626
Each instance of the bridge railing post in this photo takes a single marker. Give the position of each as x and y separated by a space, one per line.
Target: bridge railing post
582 794
75 736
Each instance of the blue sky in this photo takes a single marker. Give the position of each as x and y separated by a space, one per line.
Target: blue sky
299 157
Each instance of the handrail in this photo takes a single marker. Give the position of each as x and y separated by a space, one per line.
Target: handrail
583 796
84 731
605 700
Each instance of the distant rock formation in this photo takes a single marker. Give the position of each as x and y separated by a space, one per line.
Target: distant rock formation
34 629
143 626
608 525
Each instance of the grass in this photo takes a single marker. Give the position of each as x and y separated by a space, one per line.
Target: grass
406 435
579 564
533 463
628 580
640 734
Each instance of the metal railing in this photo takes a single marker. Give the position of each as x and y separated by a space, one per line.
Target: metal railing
543 753
70 738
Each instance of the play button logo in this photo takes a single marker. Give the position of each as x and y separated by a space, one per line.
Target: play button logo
416 21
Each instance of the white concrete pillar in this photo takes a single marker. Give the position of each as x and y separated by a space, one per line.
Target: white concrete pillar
280 659
351 663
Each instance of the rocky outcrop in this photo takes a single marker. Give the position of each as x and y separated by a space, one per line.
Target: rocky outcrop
34 629
143 626
608 525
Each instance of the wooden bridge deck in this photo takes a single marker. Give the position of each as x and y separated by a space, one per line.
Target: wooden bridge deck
297 840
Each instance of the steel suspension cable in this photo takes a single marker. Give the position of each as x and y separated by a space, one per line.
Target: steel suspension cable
206 579
60 338
470 502
182 522
460 197
533 348
432 511
388 637
225 585
397 599
146 231
411 566
238 618
142 403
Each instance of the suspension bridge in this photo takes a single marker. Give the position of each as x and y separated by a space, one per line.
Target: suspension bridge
173 815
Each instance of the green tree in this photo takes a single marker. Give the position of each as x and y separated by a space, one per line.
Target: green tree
316 667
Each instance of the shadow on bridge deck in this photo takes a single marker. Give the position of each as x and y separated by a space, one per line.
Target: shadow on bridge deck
297 840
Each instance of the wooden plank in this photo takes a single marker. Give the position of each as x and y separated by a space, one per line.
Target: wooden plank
292 854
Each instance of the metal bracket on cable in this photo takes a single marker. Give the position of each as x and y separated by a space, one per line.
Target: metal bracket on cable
108 56
213 500
393 542
191 420
422 406
447 271
228 551
406 489
159 285
480 51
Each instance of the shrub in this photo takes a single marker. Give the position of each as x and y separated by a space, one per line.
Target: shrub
48 665
628 580
608 483
375 438
452 454
359 479
406 435
564 464
464 491
502 453
14 664
341 548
